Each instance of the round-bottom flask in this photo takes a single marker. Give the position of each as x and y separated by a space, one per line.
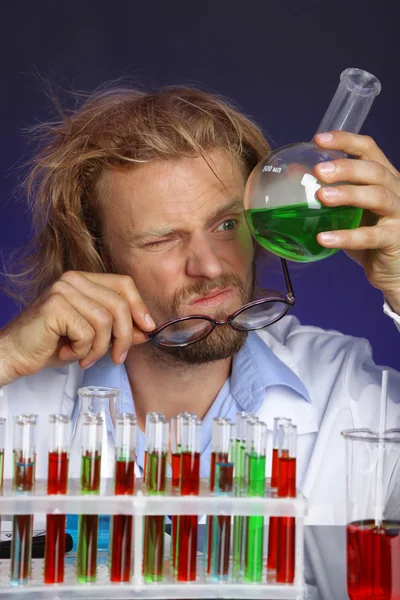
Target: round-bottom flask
281 207
282 210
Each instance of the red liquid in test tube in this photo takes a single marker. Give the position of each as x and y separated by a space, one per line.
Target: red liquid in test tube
273 521
57 483
122 525
23 481
176 448
189 485
286 531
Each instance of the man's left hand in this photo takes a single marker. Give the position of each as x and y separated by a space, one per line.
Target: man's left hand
375 244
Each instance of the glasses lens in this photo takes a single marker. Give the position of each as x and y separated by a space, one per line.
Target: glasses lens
183 332
259 315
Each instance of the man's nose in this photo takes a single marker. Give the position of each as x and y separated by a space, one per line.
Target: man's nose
203 260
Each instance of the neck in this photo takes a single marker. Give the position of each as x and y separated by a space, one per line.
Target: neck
173 388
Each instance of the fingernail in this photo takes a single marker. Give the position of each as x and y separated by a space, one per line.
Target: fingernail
330 192
329 238
123 356
326 167
149 321
324 137
90 364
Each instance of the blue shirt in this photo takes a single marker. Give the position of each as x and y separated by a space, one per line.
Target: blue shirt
254 368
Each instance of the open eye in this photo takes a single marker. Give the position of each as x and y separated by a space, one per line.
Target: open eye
228 225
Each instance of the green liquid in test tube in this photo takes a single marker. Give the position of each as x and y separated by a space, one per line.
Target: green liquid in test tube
156 469
242 420
88 525
255 486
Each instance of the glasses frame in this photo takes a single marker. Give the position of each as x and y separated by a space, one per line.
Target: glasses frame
289 300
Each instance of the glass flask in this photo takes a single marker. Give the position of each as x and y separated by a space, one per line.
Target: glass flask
281 208
103 401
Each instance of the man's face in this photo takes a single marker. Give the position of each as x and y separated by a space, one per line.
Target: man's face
177 228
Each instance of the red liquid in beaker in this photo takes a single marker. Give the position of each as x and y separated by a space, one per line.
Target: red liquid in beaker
373 560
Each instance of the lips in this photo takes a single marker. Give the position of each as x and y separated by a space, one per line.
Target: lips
213 297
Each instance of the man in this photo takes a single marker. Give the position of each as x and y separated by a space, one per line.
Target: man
137 200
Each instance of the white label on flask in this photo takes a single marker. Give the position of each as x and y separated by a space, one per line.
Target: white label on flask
311 187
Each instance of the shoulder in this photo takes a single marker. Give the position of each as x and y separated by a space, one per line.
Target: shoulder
312 345
51 388
321 358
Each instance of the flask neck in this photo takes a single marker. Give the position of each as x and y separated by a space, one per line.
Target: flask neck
351 103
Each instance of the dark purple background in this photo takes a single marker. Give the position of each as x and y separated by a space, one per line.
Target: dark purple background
280 61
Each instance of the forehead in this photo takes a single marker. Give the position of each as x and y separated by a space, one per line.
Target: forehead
172 191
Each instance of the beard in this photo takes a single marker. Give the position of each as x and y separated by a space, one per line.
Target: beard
223 342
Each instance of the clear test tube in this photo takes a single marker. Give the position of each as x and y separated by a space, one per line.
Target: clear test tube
189 485
2 445
286 534
175 441
273 521
176 448
255 486
23 481
242 419
121 541
86 560
149 416
221 482
275 450
57 483
238 552
157 448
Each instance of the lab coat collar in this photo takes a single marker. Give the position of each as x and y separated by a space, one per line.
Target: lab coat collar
279 403
256 368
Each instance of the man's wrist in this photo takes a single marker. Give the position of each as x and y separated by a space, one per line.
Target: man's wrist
5 377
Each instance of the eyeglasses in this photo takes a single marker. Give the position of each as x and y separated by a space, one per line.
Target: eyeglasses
185 331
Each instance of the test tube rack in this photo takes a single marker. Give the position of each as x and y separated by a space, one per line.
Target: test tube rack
140 505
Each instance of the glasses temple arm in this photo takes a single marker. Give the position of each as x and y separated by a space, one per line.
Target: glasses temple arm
287 278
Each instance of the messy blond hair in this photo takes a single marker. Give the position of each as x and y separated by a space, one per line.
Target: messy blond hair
114 128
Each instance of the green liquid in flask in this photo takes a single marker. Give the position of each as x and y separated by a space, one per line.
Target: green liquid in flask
290 231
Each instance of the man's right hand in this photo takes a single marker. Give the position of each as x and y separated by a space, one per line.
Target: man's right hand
76 319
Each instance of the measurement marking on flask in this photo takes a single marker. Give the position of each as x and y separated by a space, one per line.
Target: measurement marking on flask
271 169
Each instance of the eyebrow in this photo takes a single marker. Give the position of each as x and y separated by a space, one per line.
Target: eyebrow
233 205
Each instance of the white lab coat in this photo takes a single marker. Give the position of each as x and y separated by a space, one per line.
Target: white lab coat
342 380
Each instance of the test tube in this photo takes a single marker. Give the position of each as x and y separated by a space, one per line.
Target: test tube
221 482
23 481
149 416
156 470
189 485
86 559
121 541
285 554
175 439
242 420
176 447
57 483
2 444
273 521
255 486
240 446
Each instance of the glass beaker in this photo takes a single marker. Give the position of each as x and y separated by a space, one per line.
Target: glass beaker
282 211
373 515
